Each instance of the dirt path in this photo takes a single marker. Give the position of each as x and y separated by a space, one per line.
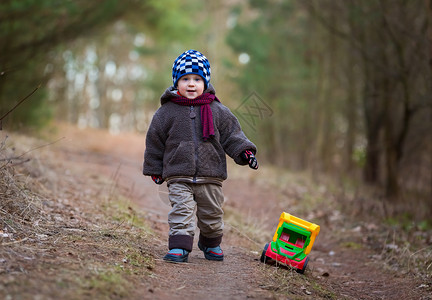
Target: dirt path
335 272
343 272
121 157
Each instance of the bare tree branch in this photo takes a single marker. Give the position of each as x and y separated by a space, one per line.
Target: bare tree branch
18 104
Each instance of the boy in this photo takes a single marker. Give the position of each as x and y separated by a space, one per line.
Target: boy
186 145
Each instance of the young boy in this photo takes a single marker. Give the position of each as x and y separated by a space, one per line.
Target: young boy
185 146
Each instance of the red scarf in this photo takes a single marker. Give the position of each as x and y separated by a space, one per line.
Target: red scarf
206 113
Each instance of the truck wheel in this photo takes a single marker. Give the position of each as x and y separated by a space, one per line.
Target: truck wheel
301 271
264 258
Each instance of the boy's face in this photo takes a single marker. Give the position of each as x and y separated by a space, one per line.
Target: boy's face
190 86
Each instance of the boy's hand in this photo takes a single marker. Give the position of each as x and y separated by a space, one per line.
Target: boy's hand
250 158
157 179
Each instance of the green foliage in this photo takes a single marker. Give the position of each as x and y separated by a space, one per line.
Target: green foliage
172 19
32 31
359 156
34 111
278 70
28 32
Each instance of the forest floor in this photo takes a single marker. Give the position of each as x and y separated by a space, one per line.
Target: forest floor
79 221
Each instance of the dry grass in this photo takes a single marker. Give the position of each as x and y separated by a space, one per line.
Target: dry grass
399 231
289 284
66 229
249 230
20 208
356 218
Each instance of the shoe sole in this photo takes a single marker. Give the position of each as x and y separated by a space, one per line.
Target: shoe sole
215 258
175 259
209 256
175 262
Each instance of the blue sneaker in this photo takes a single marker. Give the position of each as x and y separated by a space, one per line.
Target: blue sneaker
177 255
215 253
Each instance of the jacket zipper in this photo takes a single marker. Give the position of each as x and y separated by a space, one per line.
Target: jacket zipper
193 116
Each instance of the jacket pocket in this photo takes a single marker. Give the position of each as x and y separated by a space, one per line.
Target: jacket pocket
182 161
209 160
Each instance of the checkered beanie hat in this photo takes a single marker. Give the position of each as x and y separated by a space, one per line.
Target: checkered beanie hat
191 62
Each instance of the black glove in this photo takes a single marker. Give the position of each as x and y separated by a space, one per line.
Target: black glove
250 158
157 179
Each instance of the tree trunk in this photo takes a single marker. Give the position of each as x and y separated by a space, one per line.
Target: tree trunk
373 123
351 116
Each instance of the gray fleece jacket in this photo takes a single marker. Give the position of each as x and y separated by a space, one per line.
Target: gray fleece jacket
175 147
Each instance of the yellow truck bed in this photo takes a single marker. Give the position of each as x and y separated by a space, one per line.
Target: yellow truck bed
290 219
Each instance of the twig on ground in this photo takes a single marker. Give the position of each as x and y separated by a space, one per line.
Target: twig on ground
14 242
8 160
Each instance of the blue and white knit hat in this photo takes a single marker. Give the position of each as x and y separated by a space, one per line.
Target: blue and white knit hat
191 62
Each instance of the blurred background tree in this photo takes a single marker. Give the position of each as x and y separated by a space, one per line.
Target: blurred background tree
350 84
29 31
69 42
336 87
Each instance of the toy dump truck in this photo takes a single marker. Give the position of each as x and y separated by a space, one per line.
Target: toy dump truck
292 242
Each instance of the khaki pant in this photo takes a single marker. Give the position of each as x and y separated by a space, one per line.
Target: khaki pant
204 199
